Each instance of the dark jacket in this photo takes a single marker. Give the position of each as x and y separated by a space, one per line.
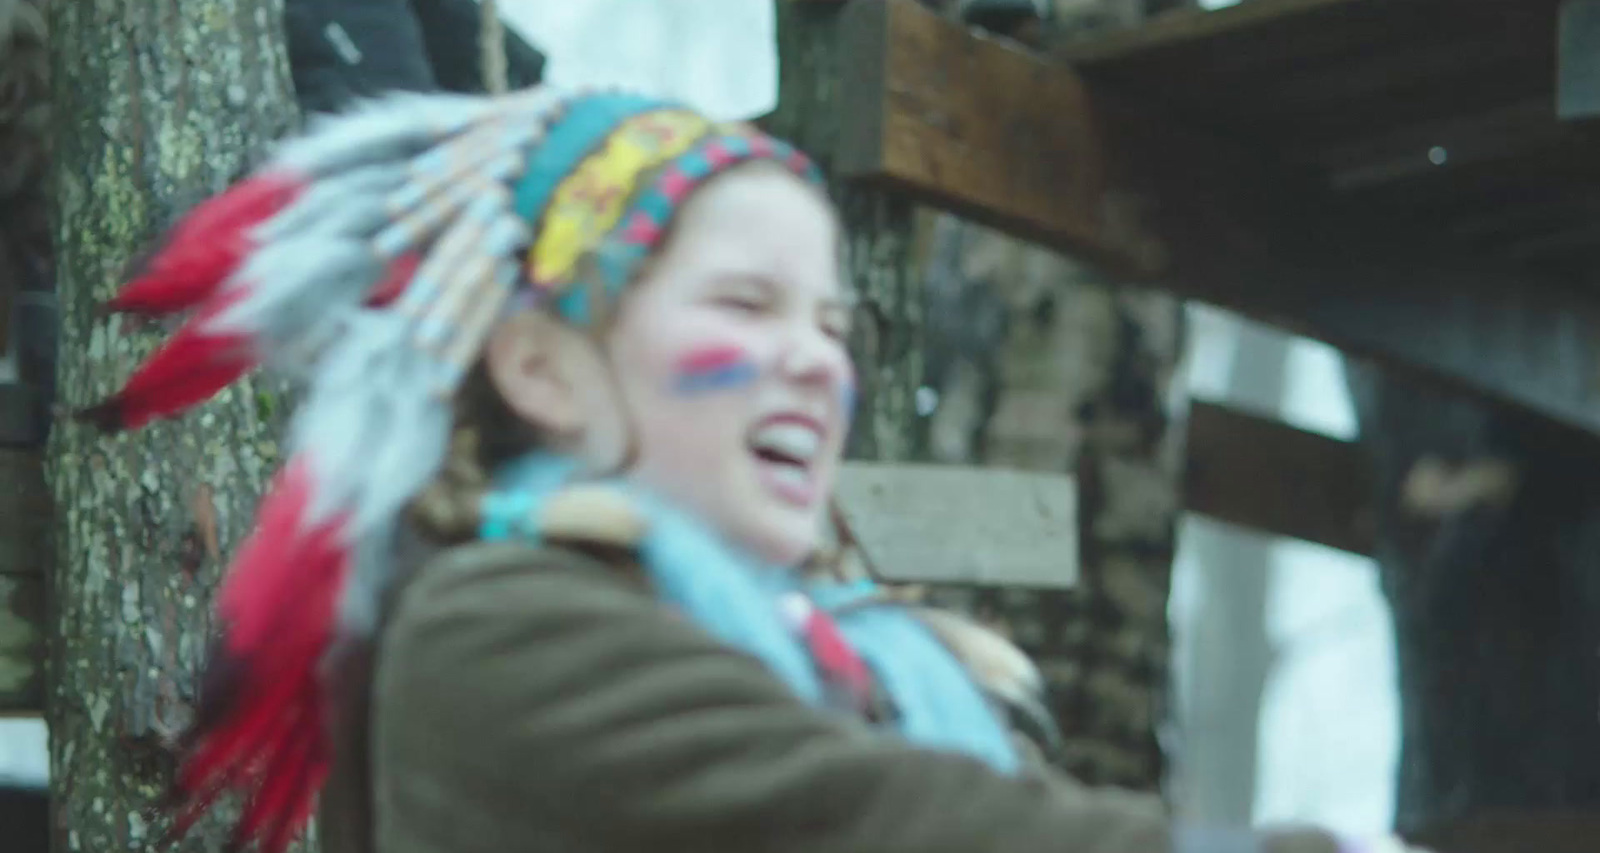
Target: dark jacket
528 699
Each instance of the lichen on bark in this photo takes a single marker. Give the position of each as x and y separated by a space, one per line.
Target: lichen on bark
158 105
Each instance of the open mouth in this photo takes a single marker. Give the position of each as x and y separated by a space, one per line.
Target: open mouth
786 450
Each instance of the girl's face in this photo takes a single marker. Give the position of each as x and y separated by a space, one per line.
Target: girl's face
730 363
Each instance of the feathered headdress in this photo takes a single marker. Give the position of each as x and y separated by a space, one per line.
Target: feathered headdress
369 260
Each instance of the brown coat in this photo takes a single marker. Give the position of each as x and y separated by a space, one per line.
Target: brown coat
540 700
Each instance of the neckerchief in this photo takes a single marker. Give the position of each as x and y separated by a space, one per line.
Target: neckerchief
765 611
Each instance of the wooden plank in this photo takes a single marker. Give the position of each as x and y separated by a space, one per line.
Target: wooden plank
917 73
965 525
972 124
1269 476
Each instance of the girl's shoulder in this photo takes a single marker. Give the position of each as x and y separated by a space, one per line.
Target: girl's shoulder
591 534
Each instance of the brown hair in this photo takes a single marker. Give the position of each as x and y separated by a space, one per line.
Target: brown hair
486 434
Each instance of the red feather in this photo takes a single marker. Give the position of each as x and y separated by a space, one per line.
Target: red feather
394 280
298 815
188 369
279 775
206 247
266 732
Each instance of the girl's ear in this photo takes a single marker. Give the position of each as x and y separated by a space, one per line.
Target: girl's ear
529 362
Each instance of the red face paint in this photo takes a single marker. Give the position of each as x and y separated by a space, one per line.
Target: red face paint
713 369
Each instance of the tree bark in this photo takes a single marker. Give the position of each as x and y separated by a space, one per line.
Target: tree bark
886 339
1488 527
158 105
1039 364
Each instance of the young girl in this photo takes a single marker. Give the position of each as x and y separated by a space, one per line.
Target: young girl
545 567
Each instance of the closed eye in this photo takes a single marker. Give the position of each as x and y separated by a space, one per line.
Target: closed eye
744 303
744 295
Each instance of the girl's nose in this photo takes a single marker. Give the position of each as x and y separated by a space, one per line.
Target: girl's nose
814 357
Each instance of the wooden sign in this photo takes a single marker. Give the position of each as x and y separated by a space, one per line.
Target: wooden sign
963 525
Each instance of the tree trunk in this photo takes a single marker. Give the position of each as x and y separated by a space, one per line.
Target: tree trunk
158 106
1488 529
887 336
1038 364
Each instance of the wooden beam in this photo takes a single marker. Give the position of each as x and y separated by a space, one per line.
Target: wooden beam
1198 27
25 534
1266 475
952 524
972 124
954 116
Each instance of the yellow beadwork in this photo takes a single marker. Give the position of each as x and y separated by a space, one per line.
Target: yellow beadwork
589 202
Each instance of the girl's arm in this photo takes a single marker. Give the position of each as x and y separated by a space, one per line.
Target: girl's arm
531 700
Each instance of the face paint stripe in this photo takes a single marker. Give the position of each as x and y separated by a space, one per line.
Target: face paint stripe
714 368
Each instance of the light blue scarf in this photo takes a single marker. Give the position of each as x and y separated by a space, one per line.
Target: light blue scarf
736 600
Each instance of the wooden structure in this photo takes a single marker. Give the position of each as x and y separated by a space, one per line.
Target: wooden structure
1389 176
1411 181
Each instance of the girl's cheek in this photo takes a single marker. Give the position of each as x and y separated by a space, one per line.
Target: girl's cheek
713 368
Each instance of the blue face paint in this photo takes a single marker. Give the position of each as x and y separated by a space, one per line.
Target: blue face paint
714 369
